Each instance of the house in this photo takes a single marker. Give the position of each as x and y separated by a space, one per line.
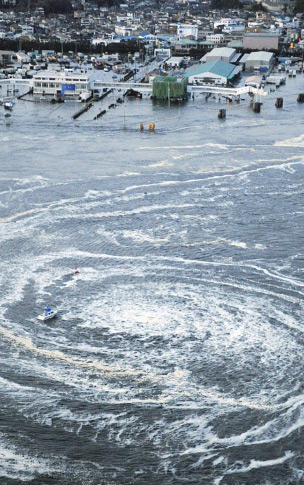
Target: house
6 57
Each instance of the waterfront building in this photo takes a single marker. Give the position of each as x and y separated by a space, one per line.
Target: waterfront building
217 73
259 60
61 83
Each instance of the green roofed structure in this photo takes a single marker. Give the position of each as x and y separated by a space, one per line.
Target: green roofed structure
169 87
213 72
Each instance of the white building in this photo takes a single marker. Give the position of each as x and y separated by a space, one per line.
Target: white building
23 58
111 58
226 54
27 29
124 30
256 60
174 62
227 22
162 53
60 83
233 28
187 31
215 38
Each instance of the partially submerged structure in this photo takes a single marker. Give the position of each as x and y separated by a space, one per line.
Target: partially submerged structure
60 83
218 73
169 87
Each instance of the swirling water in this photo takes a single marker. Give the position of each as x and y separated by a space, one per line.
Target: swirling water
177 353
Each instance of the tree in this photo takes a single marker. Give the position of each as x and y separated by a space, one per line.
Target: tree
299 6
225 4
57 6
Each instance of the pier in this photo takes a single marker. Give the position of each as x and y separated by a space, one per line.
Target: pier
191 89
137 86
236 92
13 85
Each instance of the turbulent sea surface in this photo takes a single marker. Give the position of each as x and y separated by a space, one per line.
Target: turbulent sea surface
177 353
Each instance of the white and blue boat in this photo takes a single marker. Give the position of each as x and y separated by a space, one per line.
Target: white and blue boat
47 314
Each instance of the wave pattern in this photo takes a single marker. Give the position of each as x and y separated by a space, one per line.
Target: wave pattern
177 353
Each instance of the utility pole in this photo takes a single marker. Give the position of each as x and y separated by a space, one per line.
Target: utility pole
169 94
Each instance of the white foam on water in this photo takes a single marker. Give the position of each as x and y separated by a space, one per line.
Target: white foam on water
28 345
260 246
220 240
96 194
142 237
185 155
108 236
219 460
139 210
17 464
161 163
182 147
256 464
297 141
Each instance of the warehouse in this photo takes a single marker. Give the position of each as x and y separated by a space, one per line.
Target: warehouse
218 73
226 54
259 60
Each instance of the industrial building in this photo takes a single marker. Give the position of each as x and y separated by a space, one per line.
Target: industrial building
217 72
260 60
226 54
260 40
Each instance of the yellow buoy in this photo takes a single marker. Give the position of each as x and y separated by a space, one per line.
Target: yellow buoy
151 126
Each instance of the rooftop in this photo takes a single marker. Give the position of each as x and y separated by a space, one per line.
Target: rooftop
218 67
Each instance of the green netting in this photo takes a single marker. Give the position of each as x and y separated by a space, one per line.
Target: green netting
168 87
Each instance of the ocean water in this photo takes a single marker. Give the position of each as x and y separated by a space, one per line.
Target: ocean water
177 353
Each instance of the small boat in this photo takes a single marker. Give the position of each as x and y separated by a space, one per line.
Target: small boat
47 314
76 270
8 104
